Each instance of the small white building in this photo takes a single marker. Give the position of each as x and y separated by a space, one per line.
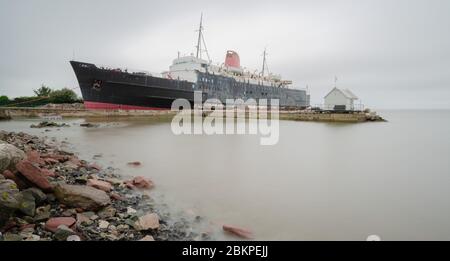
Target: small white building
337 98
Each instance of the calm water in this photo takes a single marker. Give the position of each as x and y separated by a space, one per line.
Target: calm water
320 182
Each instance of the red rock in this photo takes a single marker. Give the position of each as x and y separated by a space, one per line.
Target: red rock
59 158
34 157
240 232
95 166
134 163
142 183
53 223
116 196
146 222
50 161
48 173
75 161
129 184
34 175
25 226
99 184
12 176
147 238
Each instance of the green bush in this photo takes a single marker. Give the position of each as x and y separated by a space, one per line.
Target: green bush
44 91
44 95
63 96
4 100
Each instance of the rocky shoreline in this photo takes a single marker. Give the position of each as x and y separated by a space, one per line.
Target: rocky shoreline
50 194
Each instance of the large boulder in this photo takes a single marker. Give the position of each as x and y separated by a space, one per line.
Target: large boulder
81 196
10 200
10 155
34 175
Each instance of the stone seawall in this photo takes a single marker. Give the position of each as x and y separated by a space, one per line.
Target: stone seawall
167 114
28 112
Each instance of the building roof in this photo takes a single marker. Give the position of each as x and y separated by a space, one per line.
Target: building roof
346 92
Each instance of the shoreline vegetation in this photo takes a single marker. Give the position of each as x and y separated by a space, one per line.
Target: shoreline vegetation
50 194
43 96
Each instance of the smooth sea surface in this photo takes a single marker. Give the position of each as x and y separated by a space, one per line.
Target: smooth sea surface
322 181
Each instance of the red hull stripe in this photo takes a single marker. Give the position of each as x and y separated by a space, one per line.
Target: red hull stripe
111 106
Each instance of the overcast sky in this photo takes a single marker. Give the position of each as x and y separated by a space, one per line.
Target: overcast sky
390 53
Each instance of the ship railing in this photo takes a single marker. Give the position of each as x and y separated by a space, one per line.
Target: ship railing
129 70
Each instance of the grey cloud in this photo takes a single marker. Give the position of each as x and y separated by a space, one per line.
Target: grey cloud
392 54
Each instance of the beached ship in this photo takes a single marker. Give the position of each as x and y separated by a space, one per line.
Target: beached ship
107 88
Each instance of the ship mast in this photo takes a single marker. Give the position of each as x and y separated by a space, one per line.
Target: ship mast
200 40
264 66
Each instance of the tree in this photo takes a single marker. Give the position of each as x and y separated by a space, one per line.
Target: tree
63 96
4 100
44 91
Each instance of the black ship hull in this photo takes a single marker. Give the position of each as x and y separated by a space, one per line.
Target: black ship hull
116 89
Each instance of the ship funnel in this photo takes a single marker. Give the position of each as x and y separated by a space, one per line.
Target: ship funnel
232 59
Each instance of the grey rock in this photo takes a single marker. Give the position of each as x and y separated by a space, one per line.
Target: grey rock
38 195
69 212
107 212
12 237
103 224
32 237
28 205
73 238
63 232
10 200
10 155
82 196
42 213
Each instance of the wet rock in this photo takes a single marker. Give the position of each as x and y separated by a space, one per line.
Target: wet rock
32 237
82 196
21 184
69 212
240 232
129 184
88 125
34 157
63 232
34 175
12 237
27 204
73 238
48 124
95 166
50 161
10 155
53 223
99 184
146 222
70 165
142 183
48 173
131 210
10 200
42 213
123 228
107 212
147 238
38 195
83 220
134 163
103 224
116 196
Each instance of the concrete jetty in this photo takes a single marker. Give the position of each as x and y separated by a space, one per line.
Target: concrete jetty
295 115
